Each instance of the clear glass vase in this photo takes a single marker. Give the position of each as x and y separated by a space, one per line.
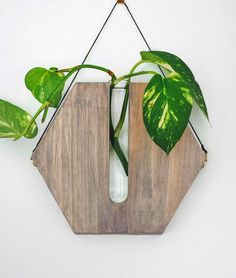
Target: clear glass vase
118 182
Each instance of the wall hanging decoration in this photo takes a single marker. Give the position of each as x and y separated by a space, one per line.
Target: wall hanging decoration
73 155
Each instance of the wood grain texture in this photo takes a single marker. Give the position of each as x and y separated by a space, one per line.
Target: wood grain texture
157 182
73 158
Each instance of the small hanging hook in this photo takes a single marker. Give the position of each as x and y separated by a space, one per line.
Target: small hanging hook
120 1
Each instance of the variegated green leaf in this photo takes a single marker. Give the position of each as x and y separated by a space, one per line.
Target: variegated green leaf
167 104
42 83
174 64
14 120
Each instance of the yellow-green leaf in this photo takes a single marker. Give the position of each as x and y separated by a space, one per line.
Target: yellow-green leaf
42 83
14 120
167 104
174 64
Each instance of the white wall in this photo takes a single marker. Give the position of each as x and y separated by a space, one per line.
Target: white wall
35 239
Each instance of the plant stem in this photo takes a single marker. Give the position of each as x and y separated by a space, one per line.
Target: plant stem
42 107
64 79
76 68
115 142
46 104
123 113
45 114
128 76
126 97
88 66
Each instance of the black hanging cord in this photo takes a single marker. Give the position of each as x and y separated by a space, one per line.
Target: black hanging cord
85 58
141 33
149 48
199 140
72 81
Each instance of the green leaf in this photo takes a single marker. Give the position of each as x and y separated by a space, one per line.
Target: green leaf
167 104
14 120
42 83
174 64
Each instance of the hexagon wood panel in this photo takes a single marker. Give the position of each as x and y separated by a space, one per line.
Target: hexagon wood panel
73 159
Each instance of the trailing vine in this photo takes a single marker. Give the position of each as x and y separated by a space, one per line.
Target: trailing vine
167 100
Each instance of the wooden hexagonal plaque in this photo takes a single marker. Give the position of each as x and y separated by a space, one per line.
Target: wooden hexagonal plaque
73 159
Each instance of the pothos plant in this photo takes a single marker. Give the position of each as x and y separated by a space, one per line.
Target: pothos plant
167 100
